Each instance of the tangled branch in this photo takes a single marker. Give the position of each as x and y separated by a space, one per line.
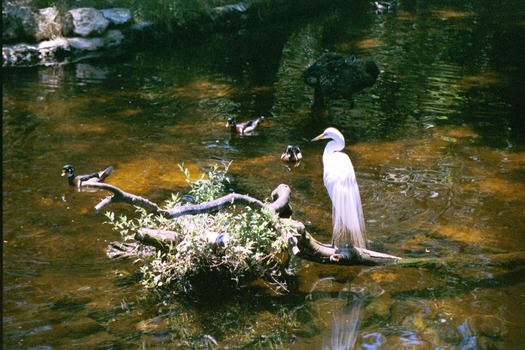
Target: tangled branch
301 243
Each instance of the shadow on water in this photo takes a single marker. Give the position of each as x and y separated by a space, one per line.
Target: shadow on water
437 144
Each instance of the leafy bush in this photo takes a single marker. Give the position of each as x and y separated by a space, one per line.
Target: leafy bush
232 245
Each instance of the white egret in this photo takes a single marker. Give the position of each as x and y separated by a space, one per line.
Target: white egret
341 184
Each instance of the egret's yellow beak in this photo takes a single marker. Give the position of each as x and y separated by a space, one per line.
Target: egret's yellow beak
320 137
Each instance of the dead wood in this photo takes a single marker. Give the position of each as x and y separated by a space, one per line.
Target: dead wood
281 197
120 196
300 241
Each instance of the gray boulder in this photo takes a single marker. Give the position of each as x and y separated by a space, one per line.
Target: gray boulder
50 24
17 23
89 22
118 16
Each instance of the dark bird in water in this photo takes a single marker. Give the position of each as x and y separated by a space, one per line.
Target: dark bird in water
243 128
76 180
336 76
292 154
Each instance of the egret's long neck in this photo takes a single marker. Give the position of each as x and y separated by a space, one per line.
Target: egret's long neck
332 147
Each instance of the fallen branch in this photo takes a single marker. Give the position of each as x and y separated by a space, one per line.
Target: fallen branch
305 246
507 260
281 197
301 244
120 196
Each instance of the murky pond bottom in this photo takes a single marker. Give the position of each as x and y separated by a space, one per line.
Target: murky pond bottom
437 145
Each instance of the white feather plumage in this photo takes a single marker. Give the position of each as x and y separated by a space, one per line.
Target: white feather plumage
341 184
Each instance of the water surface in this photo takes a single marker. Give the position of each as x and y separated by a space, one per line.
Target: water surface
437 144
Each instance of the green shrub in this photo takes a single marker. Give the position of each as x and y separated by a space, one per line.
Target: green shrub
246 244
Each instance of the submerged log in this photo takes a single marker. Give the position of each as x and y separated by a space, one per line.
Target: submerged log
305 246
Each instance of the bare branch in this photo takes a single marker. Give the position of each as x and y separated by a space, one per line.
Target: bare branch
216 204
281 201
301 244
121 196
281 197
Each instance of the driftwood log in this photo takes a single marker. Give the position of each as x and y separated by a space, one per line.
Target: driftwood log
301 242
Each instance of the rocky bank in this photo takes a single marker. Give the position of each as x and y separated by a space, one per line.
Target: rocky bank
50 36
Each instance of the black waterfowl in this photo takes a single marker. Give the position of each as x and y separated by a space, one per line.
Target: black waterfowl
76 180
245 127
336 76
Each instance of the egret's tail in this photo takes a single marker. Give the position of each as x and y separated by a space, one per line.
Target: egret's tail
347 216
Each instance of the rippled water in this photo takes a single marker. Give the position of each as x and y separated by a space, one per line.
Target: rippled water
437 144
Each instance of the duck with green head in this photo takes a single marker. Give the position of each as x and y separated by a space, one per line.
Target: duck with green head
292 154
245 127
76 180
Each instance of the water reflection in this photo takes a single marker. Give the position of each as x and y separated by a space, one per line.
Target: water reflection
90 74
345 326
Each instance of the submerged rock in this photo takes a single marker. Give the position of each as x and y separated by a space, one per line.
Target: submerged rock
20 55
63 50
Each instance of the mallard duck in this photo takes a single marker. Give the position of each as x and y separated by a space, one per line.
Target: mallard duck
76 180
243 128
292 154
383 6
334 75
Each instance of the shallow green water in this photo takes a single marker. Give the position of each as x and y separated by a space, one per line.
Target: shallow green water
437 144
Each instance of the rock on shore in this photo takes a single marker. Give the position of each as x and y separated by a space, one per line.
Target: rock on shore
50 36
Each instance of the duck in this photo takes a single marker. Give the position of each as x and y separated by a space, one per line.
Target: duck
292 154
243 128
336 76
383 6
76 180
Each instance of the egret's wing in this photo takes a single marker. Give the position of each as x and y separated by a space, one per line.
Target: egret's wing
347 213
